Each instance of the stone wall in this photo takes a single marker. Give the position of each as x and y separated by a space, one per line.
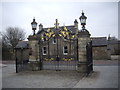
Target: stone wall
115 57
114 49
100 53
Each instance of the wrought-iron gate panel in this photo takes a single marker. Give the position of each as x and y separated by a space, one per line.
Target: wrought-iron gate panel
63 62
89 57
22 65
59 65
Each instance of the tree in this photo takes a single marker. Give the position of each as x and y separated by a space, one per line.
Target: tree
11 37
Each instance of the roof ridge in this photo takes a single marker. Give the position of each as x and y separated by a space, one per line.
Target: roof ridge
61 26
98 37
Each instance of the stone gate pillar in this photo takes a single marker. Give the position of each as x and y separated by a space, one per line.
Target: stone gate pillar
83 39
33 45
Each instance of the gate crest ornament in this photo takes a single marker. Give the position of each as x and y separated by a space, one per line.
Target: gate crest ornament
65 33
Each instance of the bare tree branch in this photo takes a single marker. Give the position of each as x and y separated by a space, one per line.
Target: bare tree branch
12 36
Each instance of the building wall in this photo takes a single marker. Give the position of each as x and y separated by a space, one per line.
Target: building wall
100 53
22 54
114 49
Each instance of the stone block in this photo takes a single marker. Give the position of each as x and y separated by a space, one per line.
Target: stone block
34 65
33 44
82 67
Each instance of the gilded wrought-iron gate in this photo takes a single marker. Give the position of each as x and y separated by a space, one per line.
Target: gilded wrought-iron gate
55 59
58 50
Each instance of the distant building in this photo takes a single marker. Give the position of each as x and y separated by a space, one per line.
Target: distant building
22 50
99 45
103 48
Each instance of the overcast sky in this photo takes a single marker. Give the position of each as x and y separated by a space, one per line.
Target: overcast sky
102 17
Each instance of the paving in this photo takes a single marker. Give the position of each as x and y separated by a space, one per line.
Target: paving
39 79
96 62
104 76
105 62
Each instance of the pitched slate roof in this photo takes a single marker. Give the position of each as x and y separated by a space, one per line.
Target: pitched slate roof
22 44
70 27
99 41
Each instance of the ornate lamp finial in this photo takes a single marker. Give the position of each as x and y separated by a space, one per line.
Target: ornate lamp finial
83 20
34 25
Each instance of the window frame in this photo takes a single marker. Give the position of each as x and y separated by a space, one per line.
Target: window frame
64 50
54 40
43 51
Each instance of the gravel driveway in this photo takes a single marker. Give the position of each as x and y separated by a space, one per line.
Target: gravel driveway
39 79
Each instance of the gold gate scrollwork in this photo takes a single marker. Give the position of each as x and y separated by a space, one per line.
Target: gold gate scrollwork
49 59
68 59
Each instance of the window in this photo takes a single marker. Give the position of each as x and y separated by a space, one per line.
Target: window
65 50
44 51
54 40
